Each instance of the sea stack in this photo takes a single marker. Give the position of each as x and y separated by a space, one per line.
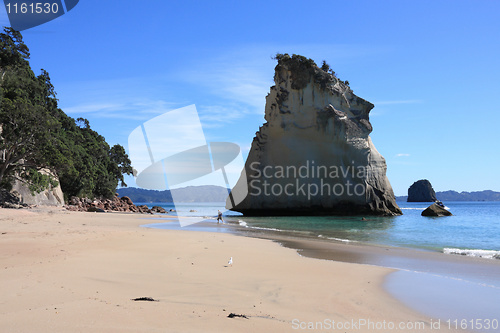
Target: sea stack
421 191
313 156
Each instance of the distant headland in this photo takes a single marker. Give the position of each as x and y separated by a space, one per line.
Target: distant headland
486 195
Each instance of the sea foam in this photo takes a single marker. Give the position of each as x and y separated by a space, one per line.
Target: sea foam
488 254
337 239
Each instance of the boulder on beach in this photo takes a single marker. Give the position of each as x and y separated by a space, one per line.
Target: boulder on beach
421 191
158 209
436 210
93 209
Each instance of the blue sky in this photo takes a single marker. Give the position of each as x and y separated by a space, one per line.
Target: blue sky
430 67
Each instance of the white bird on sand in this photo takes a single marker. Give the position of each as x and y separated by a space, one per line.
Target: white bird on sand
230 262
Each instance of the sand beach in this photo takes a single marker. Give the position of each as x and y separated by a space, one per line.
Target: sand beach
79 272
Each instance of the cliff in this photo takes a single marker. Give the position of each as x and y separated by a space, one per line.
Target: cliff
314 154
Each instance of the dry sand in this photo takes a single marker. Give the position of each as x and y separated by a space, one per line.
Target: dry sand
77 272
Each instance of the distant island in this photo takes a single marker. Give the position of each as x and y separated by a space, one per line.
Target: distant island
206 193
486 195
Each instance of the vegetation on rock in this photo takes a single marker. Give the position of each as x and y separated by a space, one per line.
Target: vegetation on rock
302 69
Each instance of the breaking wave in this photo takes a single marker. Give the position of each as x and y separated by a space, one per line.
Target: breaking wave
488 254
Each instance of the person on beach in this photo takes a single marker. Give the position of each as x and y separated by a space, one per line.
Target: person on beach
219 216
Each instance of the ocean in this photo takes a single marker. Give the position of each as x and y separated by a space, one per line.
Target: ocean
473 230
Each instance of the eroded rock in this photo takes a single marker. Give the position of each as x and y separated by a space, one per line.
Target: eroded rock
315 125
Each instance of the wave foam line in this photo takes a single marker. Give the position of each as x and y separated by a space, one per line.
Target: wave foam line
336 239
488 254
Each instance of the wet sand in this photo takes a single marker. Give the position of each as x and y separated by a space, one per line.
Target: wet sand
452 288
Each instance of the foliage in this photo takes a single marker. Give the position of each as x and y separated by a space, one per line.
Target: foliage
295 59
303 68
325 67
35 134
25 120
38 181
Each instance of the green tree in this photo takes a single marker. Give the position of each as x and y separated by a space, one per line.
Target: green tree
25 123
120 163
35 134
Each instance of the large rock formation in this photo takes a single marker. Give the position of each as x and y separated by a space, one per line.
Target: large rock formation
314 154
53 196
20 195
421 191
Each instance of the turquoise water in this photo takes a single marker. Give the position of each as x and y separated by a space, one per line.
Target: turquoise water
474 225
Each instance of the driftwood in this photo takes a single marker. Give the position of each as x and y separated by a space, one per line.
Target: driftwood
233 315
148 299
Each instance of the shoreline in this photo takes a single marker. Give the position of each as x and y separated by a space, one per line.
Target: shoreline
395 257
448 287
437 276
69 271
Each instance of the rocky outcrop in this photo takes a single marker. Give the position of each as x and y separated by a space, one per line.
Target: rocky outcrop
421 191
53 196
314 154
117 204
21 196
436 210
10 199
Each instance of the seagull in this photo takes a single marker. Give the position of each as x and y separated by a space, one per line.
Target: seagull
230 262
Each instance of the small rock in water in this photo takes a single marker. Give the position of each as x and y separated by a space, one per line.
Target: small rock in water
436 210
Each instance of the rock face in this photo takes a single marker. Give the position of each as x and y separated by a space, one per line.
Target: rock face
421 191
436 210
52 196
10 199
314 155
